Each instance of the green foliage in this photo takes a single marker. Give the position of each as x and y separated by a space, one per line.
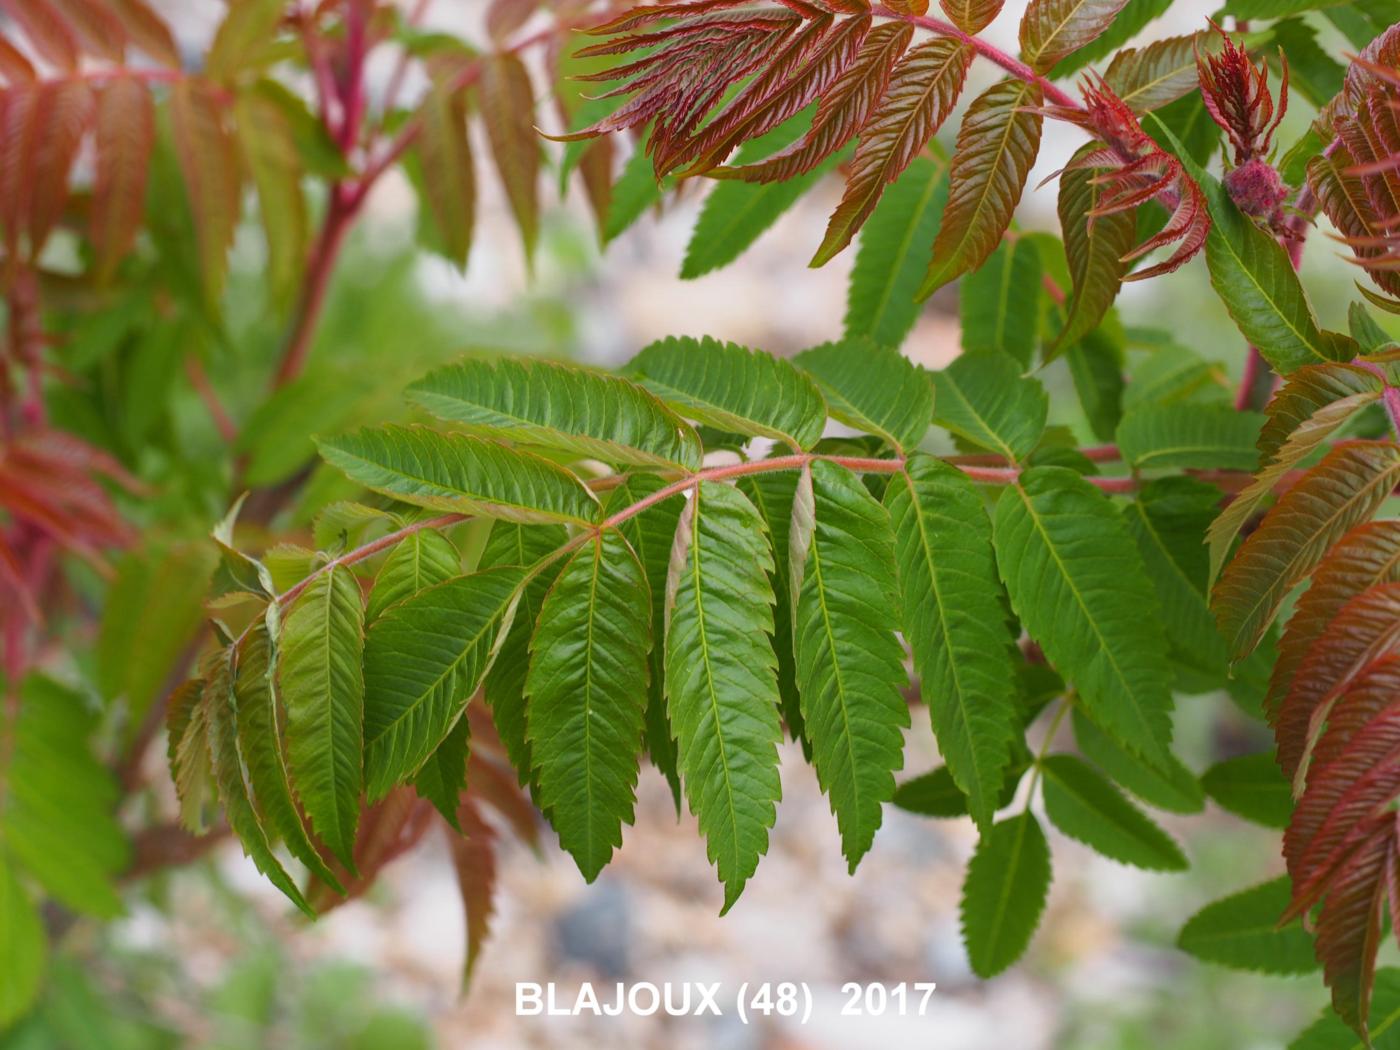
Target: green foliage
954 622
992 302
585 696
721 686
1004 894
984 399
889 261
1252 787
680 558
558 406
733 388
58 830
849 663
1242 931
460 474
872 389
1077 582
1085 806
322 683
423 659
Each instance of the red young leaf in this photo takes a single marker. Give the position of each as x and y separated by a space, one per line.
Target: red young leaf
1236 95
1366 629
388 829
1097 246
1367 555
1136 170
971 16
1052 29
209 161
923 90
49 34
449 179
997 145
802 71
508 110
14 67
95 27
843 110
147 31
474 861
1344 489
125 137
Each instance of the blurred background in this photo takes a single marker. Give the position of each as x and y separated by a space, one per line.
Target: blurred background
212 956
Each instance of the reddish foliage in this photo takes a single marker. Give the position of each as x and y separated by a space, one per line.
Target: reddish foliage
1236 94
1136 170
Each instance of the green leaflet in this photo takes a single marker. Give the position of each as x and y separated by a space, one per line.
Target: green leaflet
1311 406
1253 787
151 611
1096 246
57 802
895 241
419 560
731 387
222 729
1168 520
1086 807
1251 273
873 388
999 302
850 665
443 777
936 794
322 685
258 717
1347 487
984 398
735 213
1175 375
1272 8
651 534
1330 1032
772 495
635 190
424 658
1004 893
720 680
459 473
1312 72
955 622
187 749
586 697
1077 582
1209 437
1096 367
1171 787
1364 329
1241 931
23 947
504 688
559 406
